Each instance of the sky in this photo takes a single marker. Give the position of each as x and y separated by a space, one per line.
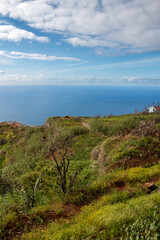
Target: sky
80 42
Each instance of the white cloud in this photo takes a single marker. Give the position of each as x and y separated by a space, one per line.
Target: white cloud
35 56
133 24
90 41
42 79
11 33
147 62
21 79
1 72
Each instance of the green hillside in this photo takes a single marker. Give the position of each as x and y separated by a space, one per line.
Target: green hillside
81 178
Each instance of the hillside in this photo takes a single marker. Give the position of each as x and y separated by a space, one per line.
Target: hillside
81 178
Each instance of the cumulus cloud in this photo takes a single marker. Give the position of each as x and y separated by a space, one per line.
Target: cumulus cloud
35 56
12 33
117 24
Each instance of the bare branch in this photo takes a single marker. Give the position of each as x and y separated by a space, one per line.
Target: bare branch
72 179
58 148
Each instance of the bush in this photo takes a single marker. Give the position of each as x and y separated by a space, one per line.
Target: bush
98 125
135 175
3 141
78 130
21 166
123 126
34 144
144 228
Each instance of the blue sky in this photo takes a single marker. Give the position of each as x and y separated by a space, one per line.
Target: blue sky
86 42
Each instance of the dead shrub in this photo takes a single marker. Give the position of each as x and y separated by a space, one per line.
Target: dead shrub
146 128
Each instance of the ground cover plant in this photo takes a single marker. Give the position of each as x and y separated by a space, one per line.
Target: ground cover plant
80 178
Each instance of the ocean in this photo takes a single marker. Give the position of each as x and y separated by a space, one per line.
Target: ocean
32 105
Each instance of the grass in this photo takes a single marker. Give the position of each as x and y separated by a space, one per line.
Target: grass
84 144
117 148
129 178
135 175
123 126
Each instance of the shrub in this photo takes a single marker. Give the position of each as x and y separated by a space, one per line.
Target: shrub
78 119
78 130
144 228
7 220
21 166
97 125
123 126
135 175
3 141
34 143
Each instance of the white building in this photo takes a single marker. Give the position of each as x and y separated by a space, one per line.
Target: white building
153 109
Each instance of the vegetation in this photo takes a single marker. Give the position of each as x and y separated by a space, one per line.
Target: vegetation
81 178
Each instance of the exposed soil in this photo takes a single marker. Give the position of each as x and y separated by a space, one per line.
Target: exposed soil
27 223
71 210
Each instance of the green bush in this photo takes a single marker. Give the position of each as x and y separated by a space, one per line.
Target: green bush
21 166
144 228
123 126
34 144
78 130
135 175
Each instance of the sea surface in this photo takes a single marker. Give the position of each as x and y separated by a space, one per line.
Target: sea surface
33 105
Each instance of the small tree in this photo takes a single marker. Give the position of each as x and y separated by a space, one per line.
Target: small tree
58 143
62 162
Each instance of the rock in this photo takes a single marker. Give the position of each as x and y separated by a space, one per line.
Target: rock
150 186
